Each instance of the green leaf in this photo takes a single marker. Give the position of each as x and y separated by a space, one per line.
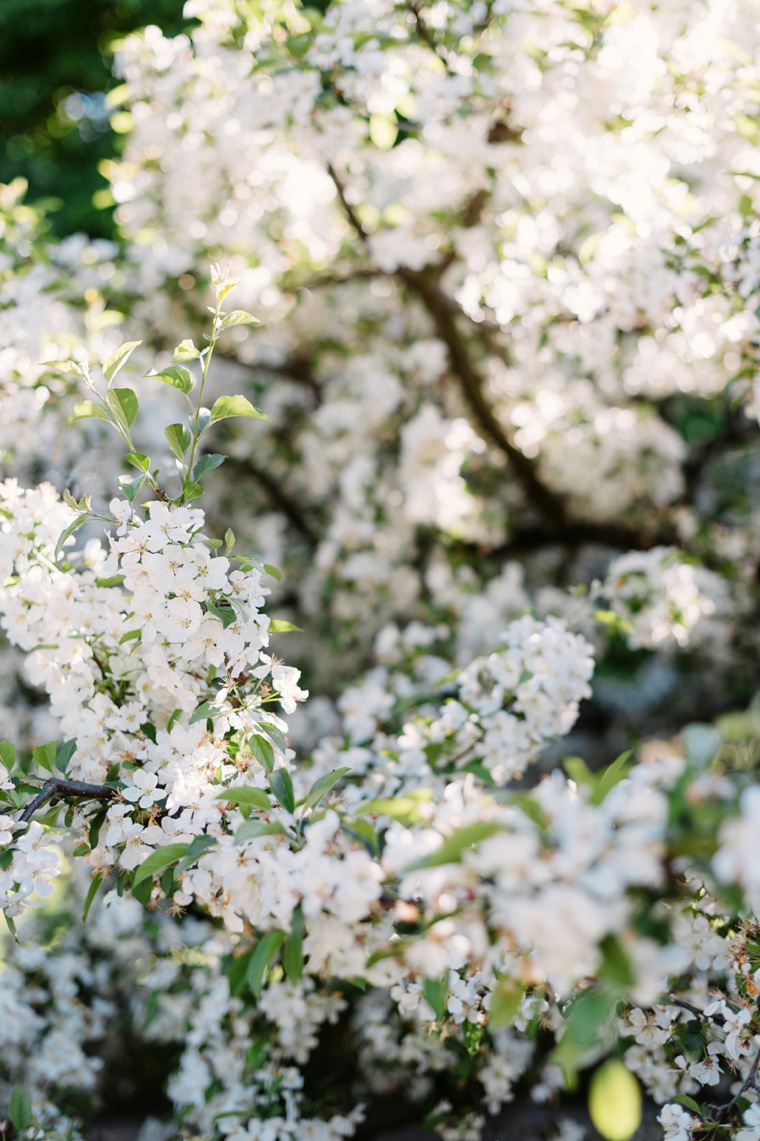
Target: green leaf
282 786
253 828
279 626
265 952
64 755
191 490
615 964
614 1101
118 359
227 406
44 755
612 775
292 952
255 797
113 580
93 891
86 410
130 487
124 405
383 131
207 463
177 376
585 1037
273 571
405 809
138 460
321 787
198 847
614 622
436 991
225 613
205 710
578 771
178 438
142 891
186 351
68 368
7 754
20 1109
229 539
276 735
452 848
506 999
239 317
157 861
689 1103
235 967
263 752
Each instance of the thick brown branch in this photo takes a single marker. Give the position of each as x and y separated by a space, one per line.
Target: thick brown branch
439 306
297 369
573 534
58 789
281 500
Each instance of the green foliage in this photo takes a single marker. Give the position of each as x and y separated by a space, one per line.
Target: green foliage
58 126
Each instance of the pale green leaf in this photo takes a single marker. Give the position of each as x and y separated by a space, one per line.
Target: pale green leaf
177 376
227 406
280 626
321 787
138 460
159 860
123 403
178 438
86 410
118 359
255 797
239 317
72 527
186 351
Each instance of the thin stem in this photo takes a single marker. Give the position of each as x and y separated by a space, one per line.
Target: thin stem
425 35
718 1019
204 374
57 788
348 209
749 1083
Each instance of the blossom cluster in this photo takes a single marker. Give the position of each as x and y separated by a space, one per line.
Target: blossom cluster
506 264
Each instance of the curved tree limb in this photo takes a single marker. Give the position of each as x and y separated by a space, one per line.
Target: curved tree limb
58 789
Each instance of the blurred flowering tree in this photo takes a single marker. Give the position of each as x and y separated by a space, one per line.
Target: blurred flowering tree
502 263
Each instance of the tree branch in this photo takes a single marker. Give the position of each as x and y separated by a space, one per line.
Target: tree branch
348 210
281 500
750 1083
549 505
425 35
58 789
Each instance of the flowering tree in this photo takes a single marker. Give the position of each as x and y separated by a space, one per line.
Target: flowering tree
501 260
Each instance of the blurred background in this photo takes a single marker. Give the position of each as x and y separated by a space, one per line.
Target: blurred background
60 114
